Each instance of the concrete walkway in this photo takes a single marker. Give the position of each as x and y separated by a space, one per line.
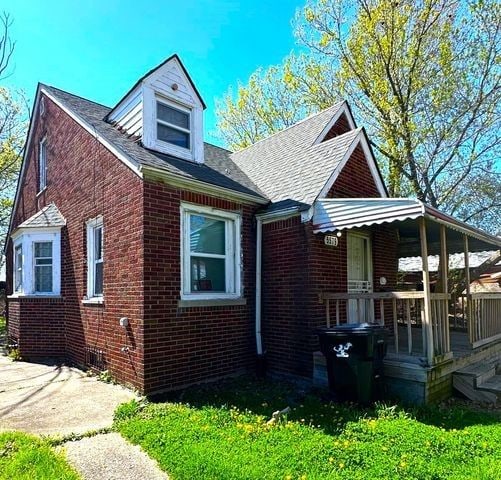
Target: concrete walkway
56 400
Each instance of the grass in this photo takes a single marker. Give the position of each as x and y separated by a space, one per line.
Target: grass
221 432
3 326
26 457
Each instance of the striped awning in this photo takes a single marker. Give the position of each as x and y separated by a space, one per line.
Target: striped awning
337 214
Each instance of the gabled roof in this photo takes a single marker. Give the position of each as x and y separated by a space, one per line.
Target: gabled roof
218 169
291 164
153 70
49 216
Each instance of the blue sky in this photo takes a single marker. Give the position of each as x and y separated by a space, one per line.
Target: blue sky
98 49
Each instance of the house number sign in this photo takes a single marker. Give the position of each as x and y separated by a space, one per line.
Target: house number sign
331 240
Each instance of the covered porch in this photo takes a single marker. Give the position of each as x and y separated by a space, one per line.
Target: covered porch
433 332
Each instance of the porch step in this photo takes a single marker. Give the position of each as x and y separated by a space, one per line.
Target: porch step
471 381
492 385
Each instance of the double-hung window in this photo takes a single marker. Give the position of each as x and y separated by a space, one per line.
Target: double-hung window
95 258
210 253
174 124
42 165
43 263
18 268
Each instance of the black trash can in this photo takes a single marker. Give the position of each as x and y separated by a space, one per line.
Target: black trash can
354 355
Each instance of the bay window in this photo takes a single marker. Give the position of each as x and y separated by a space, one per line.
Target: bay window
210 253
37 261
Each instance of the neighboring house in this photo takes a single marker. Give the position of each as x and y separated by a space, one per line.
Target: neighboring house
488 281
137 248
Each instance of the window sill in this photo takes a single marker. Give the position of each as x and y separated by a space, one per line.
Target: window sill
93 301
212 302
41 191
34 295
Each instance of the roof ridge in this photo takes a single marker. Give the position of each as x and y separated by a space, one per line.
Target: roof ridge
74 95
309 117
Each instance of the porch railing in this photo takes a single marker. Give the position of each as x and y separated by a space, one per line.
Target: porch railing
482 312
398 308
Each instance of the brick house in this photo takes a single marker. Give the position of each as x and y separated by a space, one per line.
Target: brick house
138 248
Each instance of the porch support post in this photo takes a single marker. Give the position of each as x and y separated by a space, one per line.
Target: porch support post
469 310
427 326
444 260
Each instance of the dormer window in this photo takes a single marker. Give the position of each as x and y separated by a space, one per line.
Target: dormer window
173 124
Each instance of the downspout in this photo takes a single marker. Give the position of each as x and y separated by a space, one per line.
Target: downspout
259 240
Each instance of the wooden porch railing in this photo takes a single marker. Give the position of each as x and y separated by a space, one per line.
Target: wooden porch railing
398 308
482 312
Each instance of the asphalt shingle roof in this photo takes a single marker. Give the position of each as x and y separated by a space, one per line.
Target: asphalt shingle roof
49 216
218 168
286 168
289 166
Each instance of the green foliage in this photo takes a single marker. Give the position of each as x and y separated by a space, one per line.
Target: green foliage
222 432
12 136
26 457
3 326
14 354
106 377
421 75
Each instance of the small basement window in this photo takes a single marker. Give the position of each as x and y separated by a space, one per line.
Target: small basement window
211 253
173 125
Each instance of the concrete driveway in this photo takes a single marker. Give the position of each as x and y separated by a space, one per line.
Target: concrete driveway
53 399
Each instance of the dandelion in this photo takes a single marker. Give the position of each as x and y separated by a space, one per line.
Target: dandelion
341 465
403 464
331 460
385 449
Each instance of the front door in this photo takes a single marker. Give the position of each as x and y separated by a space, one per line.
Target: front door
359 277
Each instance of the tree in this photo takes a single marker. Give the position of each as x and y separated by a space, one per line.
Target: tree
421 75
12 129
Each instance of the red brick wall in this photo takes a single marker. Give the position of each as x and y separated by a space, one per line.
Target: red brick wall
191 344
285 266
85 180
38 326
297 266
355 179
341 126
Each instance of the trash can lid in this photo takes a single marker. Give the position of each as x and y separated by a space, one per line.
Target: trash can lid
352 328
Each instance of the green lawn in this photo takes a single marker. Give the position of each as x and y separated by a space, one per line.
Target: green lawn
221 432
25 457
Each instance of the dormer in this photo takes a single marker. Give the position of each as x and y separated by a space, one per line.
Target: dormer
164 111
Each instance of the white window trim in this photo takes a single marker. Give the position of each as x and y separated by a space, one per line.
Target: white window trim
42 165
232 251
92 224
180 108
18 244
28 238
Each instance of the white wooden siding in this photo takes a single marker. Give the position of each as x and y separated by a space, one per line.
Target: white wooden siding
128 116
